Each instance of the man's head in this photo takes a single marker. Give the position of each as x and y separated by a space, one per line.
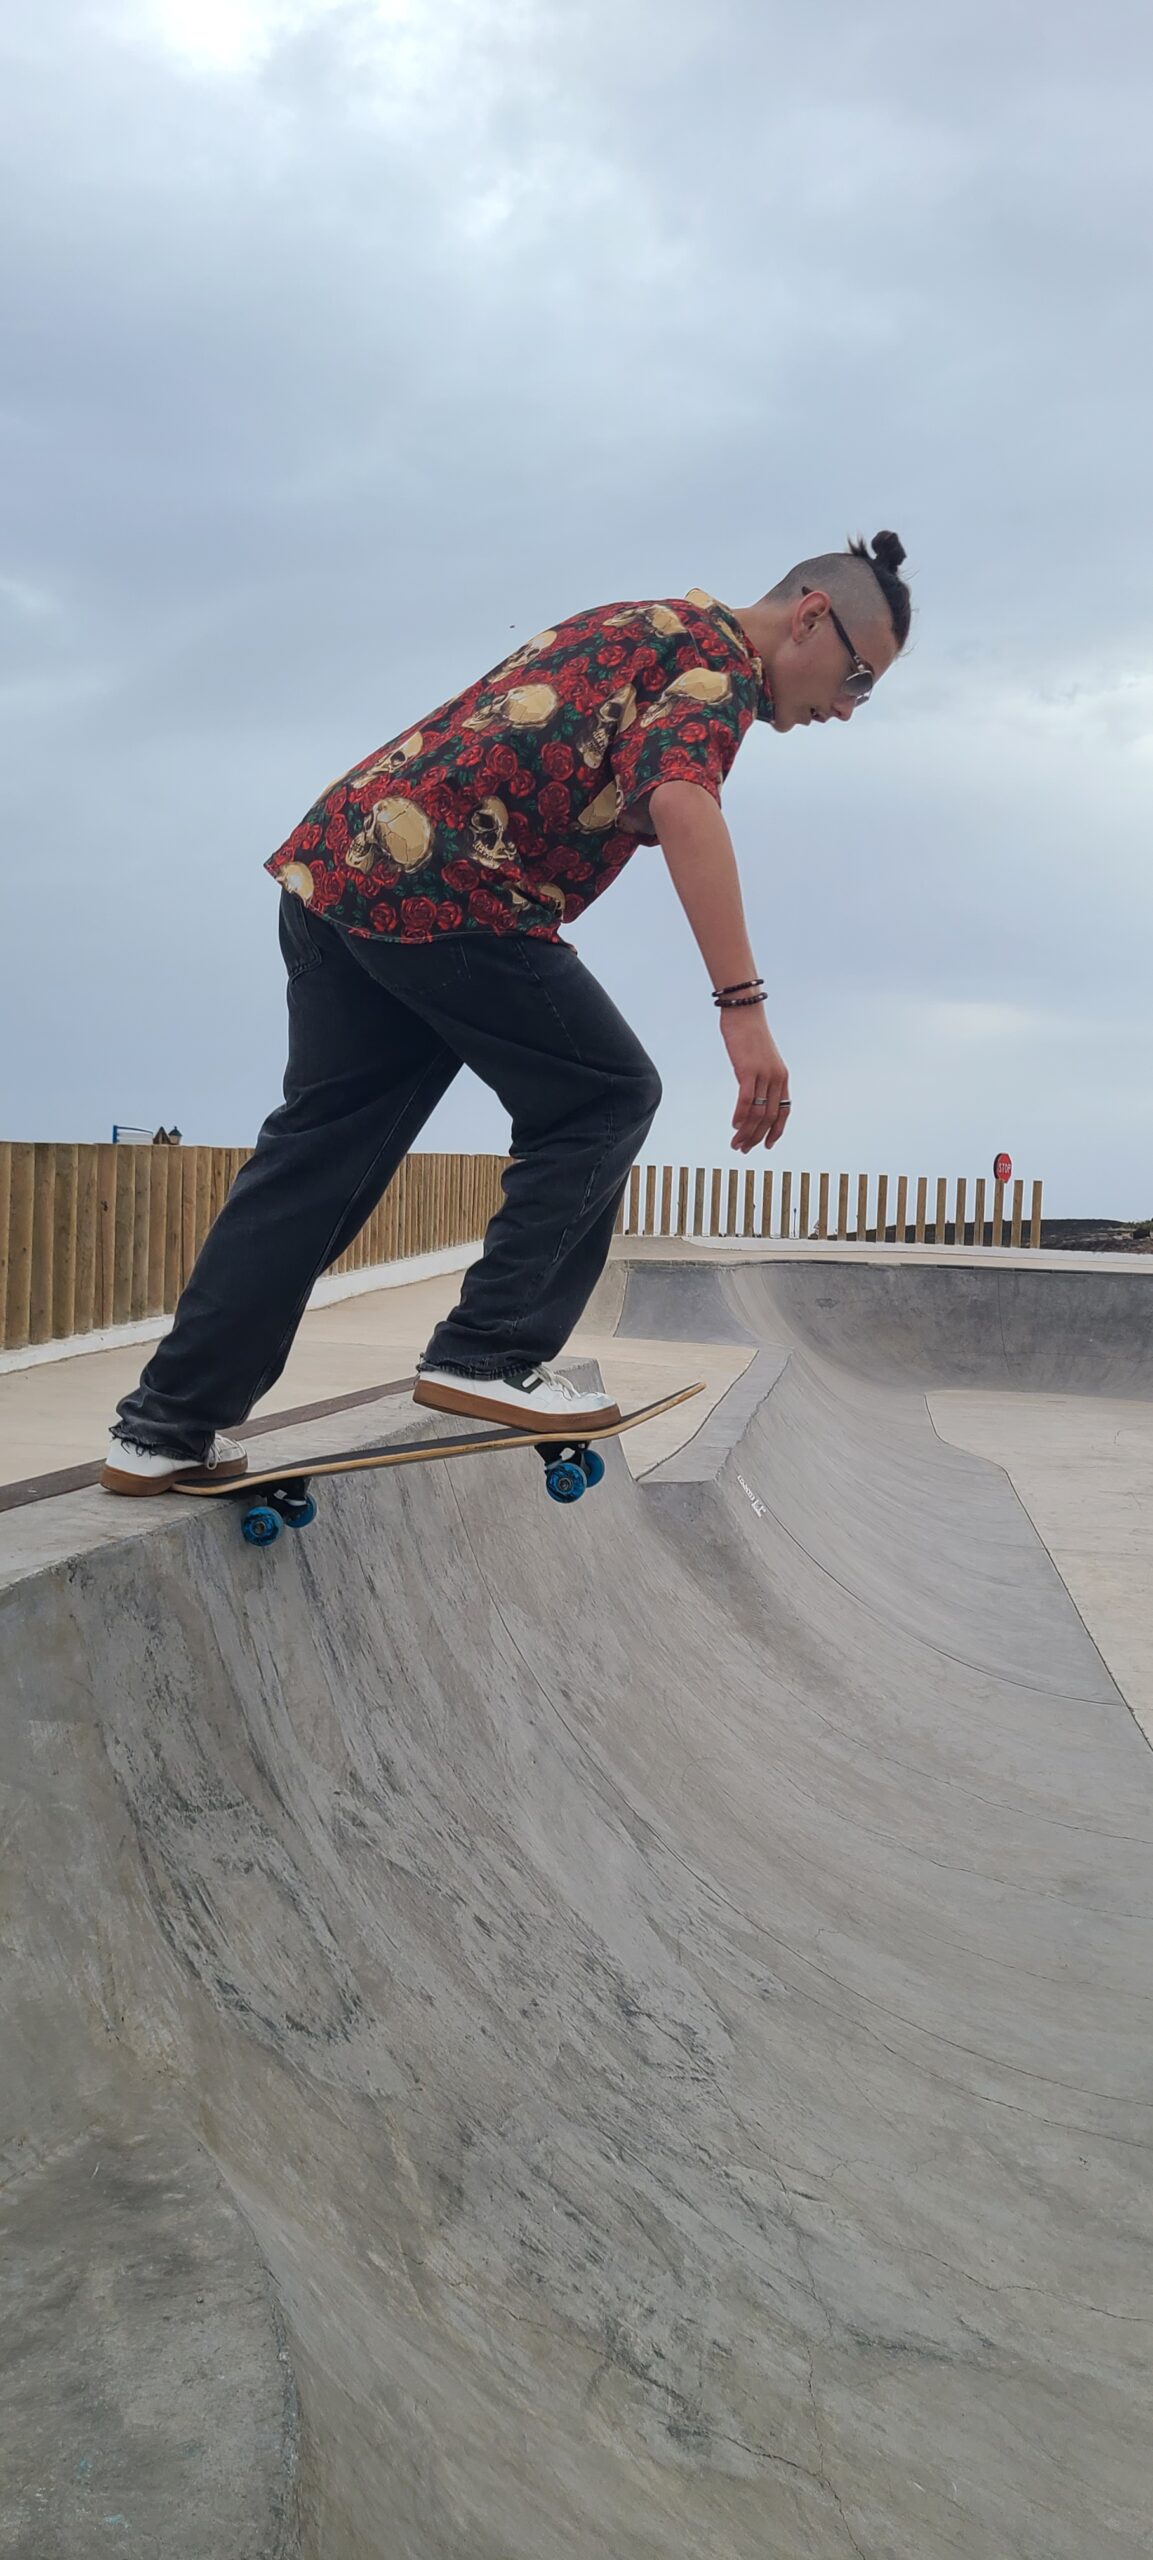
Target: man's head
824 630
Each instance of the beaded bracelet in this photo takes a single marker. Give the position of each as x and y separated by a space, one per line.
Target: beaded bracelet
725 996
735 1004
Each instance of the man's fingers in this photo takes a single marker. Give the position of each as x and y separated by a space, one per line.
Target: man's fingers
760 1113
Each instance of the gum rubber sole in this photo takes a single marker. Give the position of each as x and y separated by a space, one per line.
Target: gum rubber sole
115 1480
479 1408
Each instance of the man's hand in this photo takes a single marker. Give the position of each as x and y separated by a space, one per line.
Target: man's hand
702 865
759 1069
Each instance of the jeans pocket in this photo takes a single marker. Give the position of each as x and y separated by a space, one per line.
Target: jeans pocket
300 942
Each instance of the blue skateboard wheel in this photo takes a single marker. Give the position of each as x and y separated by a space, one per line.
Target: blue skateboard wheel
261 1525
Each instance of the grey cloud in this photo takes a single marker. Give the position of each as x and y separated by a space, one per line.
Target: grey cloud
320 387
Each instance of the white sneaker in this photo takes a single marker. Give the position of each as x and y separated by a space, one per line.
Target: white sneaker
133 1470
533 1396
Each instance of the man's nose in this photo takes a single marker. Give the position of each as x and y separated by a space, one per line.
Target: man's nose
843 710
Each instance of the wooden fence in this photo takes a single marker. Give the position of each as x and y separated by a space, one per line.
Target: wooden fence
99 1236
92 1237
678 1200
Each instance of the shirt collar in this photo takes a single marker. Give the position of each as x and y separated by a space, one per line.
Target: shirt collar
736 631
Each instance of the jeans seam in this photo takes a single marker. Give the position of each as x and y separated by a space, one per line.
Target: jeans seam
610 1124
365 1179
525 956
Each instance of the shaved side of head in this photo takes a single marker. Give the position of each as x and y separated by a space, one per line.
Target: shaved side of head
863 588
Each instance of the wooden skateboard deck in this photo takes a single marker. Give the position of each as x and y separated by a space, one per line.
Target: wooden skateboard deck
287 1503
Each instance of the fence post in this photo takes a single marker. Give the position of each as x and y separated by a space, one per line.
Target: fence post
64 1243
18 1288
87 1235
43 1243
5 1209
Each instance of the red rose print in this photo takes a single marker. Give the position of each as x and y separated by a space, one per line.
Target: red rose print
460 875
437 796
306 839
557 759
384 917
555 805
519 785
449 916
336 833
487 910
326 889
419 915
501 761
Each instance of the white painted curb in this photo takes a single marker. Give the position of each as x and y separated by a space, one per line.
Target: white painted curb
327 1293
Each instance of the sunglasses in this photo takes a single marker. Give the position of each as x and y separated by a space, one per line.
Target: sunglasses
861 678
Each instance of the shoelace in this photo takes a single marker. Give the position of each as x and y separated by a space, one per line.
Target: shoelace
562 1387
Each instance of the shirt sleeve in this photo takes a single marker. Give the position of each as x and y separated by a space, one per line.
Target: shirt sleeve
690 733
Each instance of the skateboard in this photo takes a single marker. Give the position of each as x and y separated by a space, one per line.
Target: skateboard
571 1468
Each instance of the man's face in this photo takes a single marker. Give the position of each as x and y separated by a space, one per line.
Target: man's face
808 669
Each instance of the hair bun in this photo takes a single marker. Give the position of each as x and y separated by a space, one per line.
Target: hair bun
888 551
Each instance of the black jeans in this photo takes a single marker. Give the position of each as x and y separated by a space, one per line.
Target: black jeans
376 1034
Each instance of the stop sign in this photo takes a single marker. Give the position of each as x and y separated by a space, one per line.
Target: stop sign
1002 1168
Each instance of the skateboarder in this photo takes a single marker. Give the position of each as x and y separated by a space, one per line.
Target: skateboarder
421 904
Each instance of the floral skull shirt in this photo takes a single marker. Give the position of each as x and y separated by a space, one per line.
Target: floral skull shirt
517 803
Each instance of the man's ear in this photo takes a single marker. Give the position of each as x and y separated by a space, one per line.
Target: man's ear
808 612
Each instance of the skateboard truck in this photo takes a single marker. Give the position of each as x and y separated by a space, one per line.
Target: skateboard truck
570 1467
286 1504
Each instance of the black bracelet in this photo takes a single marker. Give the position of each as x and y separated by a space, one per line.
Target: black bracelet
735 1004
739 988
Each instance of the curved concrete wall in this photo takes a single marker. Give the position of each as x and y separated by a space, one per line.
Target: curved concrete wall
666 1984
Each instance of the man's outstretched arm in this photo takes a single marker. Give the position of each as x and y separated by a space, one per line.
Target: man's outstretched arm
698 849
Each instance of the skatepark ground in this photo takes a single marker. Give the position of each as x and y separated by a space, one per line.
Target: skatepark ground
530 2033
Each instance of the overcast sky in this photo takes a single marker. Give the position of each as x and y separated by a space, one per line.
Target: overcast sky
346 346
